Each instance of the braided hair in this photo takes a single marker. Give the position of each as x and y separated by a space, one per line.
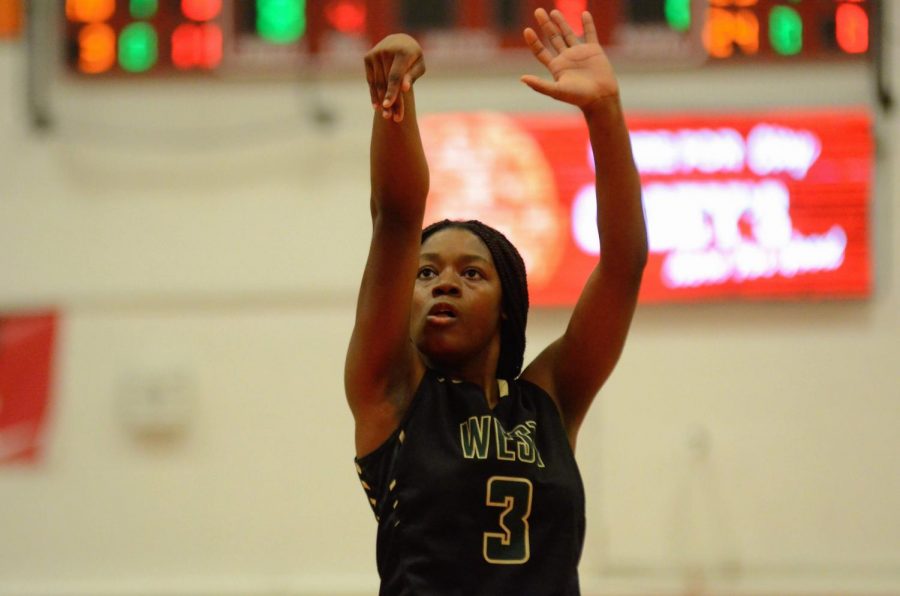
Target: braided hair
514 291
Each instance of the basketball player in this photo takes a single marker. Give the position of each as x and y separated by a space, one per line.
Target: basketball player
466 458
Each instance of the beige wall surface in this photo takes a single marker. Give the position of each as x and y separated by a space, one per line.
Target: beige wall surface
213 233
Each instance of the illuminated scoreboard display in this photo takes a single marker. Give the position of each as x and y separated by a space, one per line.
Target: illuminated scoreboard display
735 28
770 205
162 37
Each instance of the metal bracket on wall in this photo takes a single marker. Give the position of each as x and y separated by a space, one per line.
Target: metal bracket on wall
881 48
40 62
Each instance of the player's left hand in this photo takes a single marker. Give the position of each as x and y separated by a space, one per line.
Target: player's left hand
582 74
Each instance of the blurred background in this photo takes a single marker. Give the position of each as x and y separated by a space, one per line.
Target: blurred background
184 221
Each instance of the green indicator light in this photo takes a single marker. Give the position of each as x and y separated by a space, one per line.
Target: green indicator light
678 14
137 47
786 30
281 21
143 9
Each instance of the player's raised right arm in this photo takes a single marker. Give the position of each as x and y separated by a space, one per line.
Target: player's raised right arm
381 368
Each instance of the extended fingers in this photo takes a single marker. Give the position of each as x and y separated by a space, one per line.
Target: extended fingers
540 85
567 33
590 31
537 47
550 30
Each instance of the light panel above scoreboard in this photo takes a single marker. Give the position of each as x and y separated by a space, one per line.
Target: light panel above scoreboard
116 38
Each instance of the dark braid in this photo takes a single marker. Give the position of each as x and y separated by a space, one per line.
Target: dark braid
514 291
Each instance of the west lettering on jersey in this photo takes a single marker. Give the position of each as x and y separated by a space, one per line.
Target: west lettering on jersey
479 434
475 436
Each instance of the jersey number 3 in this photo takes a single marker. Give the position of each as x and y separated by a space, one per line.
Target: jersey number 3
513 496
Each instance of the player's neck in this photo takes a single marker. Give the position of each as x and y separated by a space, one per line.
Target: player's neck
479 369
478 374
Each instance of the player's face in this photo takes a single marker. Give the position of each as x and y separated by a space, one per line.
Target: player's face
456 302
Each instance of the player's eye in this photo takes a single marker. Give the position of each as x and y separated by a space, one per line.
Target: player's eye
426 273
471 273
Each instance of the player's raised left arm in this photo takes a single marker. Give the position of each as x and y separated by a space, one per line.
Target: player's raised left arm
575 366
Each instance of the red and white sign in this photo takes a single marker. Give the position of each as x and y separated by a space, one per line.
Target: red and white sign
770 205
26 363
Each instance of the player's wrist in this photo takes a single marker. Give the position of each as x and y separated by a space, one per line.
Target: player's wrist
603 109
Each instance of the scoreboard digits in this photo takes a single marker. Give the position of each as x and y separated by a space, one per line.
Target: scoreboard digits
786 28
140 36
110 38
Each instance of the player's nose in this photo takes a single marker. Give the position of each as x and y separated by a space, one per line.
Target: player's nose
447 285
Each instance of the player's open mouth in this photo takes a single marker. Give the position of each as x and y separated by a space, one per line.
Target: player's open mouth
441 313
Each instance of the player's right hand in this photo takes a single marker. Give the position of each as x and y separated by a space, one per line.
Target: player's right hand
392 66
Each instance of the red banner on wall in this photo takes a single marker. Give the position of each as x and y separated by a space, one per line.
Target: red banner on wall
752 206
26 364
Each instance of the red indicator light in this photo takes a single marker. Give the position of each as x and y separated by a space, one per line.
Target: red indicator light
852 28
347 16
196 46
201 10
572 10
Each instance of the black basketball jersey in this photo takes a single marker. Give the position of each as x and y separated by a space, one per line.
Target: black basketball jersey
474 501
